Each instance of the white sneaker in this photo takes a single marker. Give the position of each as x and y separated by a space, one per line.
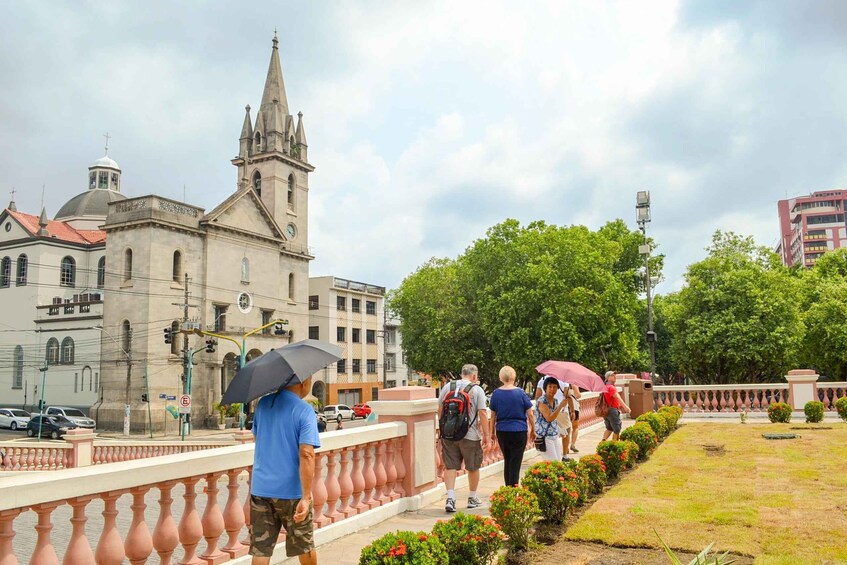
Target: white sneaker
474 502
450 506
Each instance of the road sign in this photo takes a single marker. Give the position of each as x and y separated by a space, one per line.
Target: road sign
163 396
185 404
171 397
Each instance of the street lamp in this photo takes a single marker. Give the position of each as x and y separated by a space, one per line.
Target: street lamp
642 217
128 353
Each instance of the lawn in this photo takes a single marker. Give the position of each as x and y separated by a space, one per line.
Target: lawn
781 501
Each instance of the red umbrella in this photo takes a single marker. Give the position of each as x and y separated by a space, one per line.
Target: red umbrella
574 374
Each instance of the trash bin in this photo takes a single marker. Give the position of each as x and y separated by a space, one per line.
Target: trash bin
640 397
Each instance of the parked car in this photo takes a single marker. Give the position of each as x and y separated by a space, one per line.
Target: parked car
74 415
14 418
53 426
361 410
338 412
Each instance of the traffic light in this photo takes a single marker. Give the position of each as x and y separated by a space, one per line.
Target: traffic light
278 330
144 397
169 336
210 345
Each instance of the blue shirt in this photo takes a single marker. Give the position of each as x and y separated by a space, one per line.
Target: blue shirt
510 406
281 426
543 428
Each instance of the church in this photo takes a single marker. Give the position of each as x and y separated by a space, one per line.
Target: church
110 274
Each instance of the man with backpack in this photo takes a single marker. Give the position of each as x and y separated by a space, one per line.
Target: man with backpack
615 404
463 426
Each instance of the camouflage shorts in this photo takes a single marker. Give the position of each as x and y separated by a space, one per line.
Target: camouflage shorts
270 515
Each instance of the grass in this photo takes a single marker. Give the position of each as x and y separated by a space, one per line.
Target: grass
780 501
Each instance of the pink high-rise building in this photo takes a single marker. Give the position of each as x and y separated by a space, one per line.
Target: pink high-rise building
811 225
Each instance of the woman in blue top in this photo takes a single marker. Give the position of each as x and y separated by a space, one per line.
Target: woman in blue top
511 409
545 423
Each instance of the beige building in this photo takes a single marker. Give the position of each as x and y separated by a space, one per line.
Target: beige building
351 315
241 265
397 373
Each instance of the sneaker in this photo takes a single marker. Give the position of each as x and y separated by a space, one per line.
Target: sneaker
574 449
450 506
474 502
566 458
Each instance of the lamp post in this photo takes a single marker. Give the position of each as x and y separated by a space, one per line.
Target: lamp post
128 353
642 216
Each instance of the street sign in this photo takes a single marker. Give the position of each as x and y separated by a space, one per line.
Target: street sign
185 404
163 396
169 397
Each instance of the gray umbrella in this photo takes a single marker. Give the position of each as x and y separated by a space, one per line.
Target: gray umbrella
279 368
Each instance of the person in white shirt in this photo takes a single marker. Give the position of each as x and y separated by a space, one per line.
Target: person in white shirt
564 417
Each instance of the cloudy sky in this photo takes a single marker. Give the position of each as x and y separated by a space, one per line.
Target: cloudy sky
429 122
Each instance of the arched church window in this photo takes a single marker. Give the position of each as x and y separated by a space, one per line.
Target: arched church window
245 270
23 267
257 183
177 267
257 144
291 191
291 286
101 272
52 356
68 272
67 351
5 272
128 265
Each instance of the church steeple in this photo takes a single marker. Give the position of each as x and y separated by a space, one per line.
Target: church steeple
274 93
246 134
42 223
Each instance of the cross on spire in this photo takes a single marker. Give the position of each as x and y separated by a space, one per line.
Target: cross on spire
108 137
12 192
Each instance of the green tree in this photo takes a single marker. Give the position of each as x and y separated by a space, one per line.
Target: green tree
738 319
824 344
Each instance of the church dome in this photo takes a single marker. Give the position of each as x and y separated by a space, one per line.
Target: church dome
90 203
106 162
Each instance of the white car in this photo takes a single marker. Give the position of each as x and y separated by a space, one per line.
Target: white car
339 412
14 418
74 415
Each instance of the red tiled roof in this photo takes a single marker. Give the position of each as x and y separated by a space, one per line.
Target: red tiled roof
59 230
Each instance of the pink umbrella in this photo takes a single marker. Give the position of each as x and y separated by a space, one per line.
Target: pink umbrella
574 374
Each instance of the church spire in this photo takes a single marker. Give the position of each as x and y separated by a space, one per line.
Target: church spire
246 138
12 206
274 86
42 223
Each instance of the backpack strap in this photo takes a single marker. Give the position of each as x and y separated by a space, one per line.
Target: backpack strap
467 391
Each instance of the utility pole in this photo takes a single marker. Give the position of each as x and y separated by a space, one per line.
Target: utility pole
642 214
384 343
127 405
185 419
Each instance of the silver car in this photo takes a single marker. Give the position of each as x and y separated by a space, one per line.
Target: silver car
14 418
74 415
338 412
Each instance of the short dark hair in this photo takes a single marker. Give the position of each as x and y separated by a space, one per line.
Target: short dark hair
551 381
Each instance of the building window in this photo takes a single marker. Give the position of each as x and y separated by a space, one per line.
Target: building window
5 272
314 302
176 271
341 303
245 270
92 180
23 267
68 272
267 317
371 365
314 332
357 335
342 366
370 336
355 305
370 307
390 362
175 338
390 337
52 356
103 179
220 318
128 265
126 335
114 181
291 192
101 272
257 179
96 382
18 369
357 366
76 382
341 335
291 286
67 356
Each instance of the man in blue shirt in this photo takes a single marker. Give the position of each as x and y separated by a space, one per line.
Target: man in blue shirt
286 433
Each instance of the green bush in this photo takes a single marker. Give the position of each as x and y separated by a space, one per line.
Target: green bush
779 412
672 413
616 456
643 436
814 411
470 539
516 510
583 483
841 407
557 487
595 469
658 423
631 453
418 548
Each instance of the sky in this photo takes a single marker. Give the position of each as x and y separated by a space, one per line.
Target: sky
430 122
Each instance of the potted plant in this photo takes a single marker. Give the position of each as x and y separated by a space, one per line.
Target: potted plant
221 409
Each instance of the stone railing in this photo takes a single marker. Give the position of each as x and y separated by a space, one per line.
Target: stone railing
721 398
830 392
113 452
32 456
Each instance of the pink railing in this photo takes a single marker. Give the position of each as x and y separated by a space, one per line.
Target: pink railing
116 452
721 398
830 392
34 457
586 410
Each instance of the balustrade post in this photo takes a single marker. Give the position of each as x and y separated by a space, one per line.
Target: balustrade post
319 494
110 548
139 543
7 535
399 467
246 508
358 478
333 489
190 527
233 517
44 553
802 387
79 550
345 483
379 471
213 523
370 477
165 534
390 471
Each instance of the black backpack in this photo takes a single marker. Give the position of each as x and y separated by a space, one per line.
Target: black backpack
456 413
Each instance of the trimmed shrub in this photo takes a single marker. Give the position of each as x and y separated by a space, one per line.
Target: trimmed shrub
779 412
582 482
672 413
595 469
470 539
516 510
841 407
814 411
418 548
557 487
658 423
615 455
643 436
631 453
